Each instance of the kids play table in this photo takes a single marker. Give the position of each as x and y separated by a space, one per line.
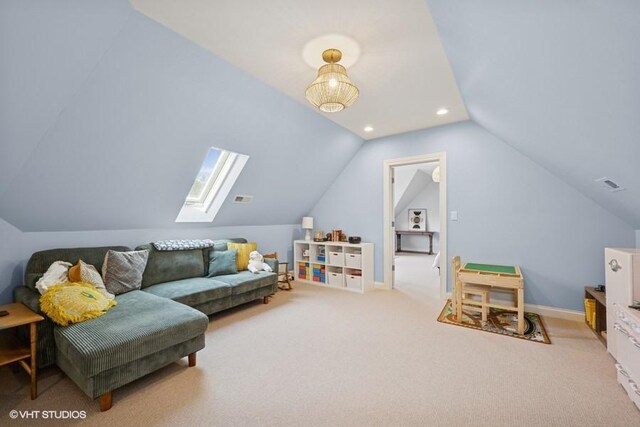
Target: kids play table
499 276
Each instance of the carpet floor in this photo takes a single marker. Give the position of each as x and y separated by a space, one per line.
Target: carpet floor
323 357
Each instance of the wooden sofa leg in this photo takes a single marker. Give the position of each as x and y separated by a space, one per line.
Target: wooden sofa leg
192 360
265 300
105 401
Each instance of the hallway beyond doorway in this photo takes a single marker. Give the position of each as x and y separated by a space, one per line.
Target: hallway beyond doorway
415 273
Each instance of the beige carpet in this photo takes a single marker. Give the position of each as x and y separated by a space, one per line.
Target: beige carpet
321 357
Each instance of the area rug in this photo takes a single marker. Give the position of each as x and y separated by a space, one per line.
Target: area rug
503 322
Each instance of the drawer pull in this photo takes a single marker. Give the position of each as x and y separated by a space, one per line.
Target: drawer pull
634 387
634 342
623 317
622 371
622 330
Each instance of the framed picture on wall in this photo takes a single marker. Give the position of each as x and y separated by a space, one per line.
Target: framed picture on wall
418 219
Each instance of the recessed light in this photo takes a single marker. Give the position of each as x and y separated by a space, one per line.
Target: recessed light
368 128
442 111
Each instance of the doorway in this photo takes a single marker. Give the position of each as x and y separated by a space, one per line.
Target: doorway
415 224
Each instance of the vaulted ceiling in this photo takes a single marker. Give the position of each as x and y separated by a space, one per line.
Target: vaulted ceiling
106 115
402 71
559 81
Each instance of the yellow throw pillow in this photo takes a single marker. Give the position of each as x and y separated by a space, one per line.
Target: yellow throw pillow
74 302
244 249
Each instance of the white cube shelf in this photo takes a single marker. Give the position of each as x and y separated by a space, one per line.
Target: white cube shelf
337 265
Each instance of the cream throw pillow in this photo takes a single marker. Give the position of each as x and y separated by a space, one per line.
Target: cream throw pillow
87 273
56 273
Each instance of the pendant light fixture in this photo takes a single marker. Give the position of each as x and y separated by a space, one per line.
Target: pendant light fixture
332 90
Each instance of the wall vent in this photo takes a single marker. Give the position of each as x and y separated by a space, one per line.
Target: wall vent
609 185
242 199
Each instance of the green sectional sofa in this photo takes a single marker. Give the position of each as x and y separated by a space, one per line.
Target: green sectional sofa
149 328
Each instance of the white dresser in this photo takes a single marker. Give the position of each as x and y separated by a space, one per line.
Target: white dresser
623 323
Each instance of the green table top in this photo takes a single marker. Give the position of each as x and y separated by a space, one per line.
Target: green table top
507 269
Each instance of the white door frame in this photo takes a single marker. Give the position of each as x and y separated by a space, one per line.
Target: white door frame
389 217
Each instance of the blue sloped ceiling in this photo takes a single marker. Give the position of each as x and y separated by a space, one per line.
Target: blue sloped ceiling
113 113
557 80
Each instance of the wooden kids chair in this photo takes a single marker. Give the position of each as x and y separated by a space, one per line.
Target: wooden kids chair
461 290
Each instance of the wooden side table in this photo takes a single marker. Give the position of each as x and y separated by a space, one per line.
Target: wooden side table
11 350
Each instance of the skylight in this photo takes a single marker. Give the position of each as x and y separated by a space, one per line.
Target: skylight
219 171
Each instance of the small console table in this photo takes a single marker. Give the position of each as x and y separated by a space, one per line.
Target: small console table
399 234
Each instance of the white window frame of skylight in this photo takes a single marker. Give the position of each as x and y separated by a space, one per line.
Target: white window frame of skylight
216 174
221 177
219 184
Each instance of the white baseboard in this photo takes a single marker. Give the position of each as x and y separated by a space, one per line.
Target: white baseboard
558 313
379 285
546 311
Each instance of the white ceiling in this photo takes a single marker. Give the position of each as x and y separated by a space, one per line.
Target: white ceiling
402 72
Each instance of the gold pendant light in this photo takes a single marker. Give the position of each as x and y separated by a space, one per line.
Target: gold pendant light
332 90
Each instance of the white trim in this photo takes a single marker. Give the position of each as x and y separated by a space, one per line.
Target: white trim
388 215
201 200
379 285
555 312
558 313
217 194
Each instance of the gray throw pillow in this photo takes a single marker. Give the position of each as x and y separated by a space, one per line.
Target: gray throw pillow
122 271
223 262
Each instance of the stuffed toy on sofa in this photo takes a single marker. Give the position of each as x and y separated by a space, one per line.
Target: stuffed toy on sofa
257 264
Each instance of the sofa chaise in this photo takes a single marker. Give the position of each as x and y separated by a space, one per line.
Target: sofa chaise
148 328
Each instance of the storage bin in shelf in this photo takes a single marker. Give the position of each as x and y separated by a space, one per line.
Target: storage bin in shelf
353 260
353 278
335 277
336 258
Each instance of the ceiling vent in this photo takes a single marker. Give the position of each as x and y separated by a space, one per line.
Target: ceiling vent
609 185
242 199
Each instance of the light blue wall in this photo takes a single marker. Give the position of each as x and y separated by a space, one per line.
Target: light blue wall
557 80
48 48
17 246
11 259
637 238
511 211
107 116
